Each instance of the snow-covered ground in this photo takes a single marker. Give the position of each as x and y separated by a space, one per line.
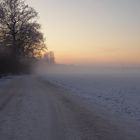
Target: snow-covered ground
115 90
32 109
97 105
4 80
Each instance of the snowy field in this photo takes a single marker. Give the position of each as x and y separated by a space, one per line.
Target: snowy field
94 103
115 90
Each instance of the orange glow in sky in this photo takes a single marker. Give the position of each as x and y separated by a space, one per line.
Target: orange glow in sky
91 31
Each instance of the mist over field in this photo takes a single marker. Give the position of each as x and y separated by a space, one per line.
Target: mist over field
70 70
114 88
93 69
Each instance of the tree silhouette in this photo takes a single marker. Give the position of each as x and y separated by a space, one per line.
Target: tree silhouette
49 57
19 31
20 36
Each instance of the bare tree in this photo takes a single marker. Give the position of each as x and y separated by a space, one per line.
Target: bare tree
19 31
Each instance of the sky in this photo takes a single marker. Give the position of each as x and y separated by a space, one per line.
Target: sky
91 31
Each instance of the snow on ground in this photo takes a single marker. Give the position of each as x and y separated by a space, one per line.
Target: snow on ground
5 80
116 91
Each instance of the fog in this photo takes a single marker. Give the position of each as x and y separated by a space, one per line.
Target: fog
94 69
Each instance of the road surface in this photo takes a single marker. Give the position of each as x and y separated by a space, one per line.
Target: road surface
34 109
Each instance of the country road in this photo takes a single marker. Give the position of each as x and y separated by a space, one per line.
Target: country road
34 109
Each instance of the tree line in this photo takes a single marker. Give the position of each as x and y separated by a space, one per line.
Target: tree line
21 40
